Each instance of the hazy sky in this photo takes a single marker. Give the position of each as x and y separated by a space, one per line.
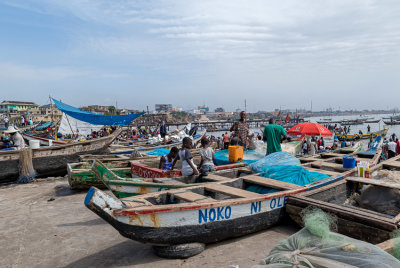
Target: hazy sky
273 53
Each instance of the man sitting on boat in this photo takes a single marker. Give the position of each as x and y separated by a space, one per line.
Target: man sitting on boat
16 138
167 160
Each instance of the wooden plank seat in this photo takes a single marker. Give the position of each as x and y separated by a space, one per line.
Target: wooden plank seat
214 177
167 181
270 183
391 164
231 191
193 197
374 182
333 166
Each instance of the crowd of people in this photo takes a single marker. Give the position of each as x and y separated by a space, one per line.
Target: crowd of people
391 147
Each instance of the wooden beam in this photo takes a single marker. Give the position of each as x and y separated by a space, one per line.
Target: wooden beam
227 190
374 182
270 183
193 197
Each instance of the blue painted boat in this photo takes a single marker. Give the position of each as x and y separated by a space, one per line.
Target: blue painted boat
372 151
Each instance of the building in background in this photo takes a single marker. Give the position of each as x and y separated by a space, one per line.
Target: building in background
163 108
219 110
204 108
16 106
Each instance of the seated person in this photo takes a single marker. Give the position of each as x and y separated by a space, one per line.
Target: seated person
167 160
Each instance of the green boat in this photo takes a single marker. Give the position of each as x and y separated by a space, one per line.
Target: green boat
132 185
81 176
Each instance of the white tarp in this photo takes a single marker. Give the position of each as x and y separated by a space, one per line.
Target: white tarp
70 125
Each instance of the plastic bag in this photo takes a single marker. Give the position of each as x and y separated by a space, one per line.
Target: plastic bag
316 246
274 159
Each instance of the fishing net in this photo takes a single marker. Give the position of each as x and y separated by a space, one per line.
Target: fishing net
292 174
317 246
396 244
25 166
274 159
377 198
135 154
159 151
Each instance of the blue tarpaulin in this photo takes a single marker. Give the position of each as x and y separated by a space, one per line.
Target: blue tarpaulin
96 119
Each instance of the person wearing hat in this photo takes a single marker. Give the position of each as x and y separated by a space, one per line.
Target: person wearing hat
16 137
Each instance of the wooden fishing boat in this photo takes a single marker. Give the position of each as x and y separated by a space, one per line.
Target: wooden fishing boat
43 141
357 147
373 121
52 161
81 176
142 178
364 223
394 122
201 214
361 136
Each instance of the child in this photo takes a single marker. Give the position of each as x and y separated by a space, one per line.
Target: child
167 160
207 157
188 167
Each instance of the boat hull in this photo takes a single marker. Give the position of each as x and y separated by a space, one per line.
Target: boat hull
193 225
51 161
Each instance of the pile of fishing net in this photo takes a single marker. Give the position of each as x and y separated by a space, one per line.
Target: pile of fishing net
159 151
292 174
317 246
274 159
25 166
377 198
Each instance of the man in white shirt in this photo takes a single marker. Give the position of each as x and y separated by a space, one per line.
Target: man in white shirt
392 149
16 137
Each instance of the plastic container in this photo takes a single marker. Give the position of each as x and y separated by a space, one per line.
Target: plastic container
50 142
235 153
349 162
34 144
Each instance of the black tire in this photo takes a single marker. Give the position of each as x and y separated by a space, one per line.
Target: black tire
181 251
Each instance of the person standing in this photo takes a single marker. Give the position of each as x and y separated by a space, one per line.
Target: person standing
163 131
6 122
369 128
397 146
207 157
241 130
226 139
22 121
273 135
392 149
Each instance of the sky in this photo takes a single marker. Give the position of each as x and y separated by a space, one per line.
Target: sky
133 54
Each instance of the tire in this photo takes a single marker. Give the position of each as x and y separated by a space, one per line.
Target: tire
181 251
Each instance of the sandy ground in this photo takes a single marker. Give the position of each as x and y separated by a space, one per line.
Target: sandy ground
37 232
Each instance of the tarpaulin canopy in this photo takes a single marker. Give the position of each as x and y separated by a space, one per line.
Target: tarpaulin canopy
70 125
96 119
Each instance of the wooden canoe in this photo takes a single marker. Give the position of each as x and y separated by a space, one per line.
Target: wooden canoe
207 213
360 223
52 161
365 136
146 179
81 176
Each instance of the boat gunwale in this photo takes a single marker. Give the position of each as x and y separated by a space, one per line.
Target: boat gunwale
63 146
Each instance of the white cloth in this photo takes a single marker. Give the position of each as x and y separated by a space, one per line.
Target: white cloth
18 140
70 125
207 154
392 146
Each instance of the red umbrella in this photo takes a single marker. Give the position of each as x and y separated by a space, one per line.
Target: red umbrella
309 129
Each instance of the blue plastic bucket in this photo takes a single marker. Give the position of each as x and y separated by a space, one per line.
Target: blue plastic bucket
349 162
